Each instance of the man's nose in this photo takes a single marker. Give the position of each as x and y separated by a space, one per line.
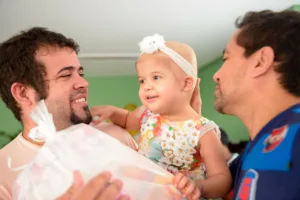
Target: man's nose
80 82
216 77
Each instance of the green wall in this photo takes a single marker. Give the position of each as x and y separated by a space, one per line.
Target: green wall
117 91
122 90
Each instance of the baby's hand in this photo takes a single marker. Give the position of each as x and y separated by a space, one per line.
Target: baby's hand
102 113
186 186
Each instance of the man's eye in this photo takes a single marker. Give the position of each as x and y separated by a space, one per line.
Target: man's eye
65 76
82 75
224 59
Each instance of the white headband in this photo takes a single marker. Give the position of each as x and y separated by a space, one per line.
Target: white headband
152 44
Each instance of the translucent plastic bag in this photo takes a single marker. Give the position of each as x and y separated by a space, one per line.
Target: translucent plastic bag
90 151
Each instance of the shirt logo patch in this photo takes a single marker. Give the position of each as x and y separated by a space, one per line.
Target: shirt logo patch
275 139
248 184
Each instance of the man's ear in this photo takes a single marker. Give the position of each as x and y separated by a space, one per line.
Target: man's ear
23 95
189 84
265 59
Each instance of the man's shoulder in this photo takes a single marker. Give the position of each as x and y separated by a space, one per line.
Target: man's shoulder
293 126
109 128
14 155
4 193
9 151
290 117
285 129
10 146
19 151
296 143
4 150
6 174
280 145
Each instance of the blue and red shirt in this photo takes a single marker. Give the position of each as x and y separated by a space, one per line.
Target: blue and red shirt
269 167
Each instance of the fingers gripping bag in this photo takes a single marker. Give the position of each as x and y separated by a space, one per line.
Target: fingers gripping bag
87 150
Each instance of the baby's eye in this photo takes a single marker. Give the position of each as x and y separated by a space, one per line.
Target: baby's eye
142 81
156 77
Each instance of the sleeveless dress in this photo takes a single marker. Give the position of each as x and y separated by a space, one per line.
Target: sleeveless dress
175 145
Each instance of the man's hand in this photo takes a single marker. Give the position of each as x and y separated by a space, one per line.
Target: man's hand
99 188
196 101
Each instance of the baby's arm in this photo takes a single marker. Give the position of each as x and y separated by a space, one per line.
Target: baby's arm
129 120
218 182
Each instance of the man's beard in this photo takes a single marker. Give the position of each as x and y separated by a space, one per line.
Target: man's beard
75 119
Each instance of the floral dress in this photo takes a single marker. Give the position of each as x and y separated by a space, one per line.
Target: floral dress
174 145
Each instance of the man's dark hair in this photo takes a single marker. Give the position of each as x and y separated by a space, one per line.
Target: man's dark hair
18 62
281 32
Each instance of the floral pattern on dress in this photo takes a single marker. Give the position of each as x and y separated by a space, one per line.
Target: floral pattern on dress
173 145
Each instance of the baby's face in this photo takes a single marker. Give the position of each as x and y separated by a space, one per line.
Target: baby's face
160 83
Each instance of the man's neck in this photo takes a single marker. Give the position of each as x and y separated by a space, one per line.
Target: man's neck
259 111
